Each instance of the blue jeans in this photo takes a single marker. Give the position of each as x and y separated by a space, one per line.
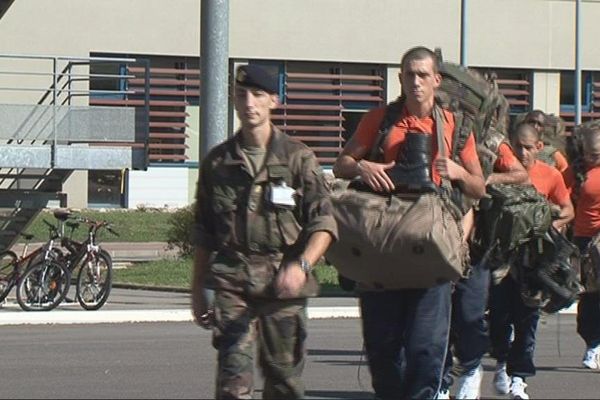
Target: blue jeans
406 336
506 309
588 307
468 330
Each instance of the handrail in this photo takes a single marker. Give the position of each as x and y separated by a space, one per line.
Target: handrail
61 120
67 58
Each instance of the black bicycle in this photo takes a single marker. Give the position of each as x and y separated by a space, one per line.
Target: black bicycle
94 264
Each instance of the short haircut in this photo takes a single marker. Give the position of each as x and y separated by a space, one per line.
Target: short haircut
420 53
535 113
589 128
524 125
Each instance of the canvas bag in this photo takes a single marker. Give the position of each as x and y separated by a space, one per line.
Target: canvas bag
397 241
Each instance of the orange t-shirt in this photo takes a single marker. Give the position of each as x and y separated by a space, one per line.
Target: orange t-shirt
587 204
506 158
549 182
367 130
560 161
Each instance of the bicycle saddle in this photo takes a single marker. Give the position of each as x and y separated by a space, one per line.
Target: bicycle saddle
62 214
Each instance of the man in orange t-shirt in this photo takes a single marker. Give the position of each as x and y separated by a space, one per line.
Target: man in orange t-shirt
413 322
586 196
506 304
470 337
537 119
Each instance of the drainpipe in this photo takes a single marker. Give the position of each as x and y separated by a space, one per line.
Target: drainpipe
463 32
578 62
214 73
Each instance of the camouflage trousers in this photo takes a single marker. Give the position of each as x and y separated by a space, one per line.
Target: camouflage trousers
277 327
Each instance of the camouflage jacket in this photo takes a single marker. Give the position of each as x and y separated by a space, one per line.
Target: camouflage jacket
247 233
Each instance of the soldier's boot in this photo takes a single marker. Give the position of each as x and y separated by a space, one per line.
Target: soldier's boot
412 171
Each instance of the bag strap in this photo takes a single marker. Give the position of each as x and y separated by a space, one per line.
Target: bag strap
392 112
439 130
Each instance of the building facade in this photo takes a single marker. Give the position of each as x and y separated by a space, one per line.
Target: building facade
335 58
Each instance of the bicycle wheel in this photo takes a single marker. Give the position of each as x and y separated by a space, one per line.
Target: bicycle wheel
8 269
43 286
94 281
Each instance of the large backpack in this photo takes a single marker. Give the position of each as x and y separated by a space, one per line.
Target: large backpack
545 274
478 107
590 266
511 216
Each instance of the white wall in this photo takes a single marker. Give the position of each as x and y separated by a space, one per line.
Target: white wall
508 33
159 187
546 92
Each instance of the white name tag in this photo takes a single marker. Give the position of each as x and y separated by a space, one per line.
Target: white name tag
283 195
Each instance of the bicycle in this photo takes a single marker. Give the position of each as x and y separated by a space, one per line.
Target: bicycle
43 284
11 267
94 279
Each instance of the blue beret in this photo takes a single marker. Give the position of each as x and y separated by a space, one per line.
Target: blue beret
254 76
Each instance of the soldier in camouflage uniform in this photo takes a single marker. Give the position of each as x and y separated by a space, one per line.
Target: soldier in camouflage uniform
262 219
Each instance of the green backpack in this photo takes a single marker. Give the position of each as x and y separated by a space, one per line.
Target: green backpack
512 216
478 107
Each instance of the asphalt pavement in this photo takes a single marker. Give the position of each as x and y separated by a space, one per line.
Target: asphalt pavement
558 353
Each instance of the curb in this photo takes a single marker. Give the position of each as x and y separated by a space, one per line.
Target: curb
13 315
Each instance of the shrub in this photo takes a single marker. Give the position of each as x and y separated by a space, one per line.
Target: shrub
179 233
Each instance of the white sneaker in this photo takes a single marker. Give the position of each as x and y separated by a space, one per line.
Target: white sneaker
469 384
591 359
517 389
501 379
443 394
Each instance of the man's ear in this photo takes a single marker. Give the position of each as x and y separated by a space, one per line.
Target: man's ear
539 145
274 101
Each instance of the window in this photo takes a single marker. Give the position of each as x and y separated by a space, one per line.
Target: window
567 91
106 78
322 102
104 188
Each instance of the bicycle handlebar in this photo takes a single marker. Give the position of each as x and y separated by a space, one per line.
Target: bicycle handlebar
94 226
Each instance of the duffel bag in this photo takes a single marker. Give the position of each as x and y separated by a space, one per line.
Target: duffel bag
396 241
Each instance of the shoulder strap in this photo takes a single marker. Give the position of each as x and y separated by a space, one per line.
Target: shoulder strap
392 112
438 117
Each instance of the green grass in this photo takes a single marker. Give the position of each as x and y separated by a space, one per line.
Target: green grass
161 273
178 274
131 225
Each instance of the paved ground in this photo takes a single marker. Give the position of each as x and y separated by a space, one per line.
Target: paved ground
176 360
129 305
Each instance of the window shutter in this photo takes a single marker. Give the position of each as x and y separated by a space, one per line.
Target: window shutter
314 97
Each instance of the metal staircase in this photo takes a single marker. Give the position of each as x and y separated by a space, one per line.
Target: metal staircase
44 138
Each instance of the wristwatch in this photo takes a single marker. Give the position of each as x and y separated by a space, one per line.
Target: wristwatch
305 265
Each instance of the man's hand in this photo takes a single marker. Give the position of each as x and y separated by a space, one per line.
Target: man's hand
373 174
290 280
203 314
448 169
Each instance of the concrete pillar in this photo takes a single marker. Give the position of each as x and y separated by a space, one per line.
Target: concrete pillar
546 92
393 83
76 188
